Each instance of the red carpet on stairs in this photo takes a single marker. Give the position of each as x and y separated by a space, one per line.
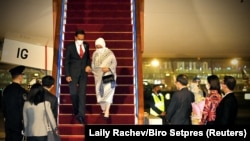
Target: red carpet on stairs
112 20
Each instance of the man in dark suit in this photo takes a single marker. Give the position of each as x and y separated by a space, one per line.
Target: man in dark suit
48 83
13 100
77 66
180 108
226 112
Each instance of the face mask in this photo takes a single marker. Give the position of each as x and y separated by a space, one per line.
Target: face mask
100 50
79 42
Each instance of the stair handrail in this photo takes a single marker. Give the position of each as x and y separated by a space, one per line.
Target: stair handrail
138 11
60 50
135 54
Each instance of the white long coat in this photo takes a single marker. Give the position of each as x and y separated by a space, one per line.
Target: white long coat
104 92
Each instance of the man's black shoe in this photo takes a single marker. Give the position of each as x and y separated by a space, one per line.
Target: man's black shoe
81 120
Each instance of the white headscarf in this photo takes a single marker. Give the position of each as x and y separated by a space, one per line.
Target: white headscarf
100 41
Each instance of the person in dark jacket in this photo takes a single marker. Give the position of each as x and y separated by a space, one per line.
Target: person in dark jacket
13 100
227 109
180 109
48 83
77 66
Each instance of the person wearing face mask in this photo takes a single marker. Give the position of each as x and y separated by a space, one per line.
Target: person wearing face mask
104 63
157 103
77 66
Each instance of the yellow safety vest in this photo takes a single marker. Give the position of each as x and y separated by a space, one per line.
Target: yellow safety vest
159 103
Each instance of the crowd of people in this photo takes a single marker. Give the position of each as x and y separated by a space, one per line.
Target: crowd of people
191 105
26 113
31 113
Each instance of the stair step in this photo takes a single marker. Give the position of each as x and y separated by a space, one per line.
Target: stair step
123 44
99 6
95 109
120 53
99 1
91 99
120 70
99 14
122 79
123 62
120 89
98 28
106 36
72 137
94 20
93 119
69 129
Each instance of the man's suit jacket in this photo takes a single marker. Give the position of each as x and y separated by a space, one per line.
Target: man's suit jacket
180 108
74 65
226 112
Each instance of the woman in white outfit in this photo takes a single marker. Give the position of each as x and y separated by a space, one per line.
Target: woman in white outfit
104 63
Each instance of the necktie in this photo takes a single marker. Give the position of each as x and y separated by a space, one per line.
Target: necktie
81 51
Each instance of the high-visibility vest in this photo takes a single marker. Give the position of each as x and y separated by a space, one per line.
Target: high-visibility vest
159 103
